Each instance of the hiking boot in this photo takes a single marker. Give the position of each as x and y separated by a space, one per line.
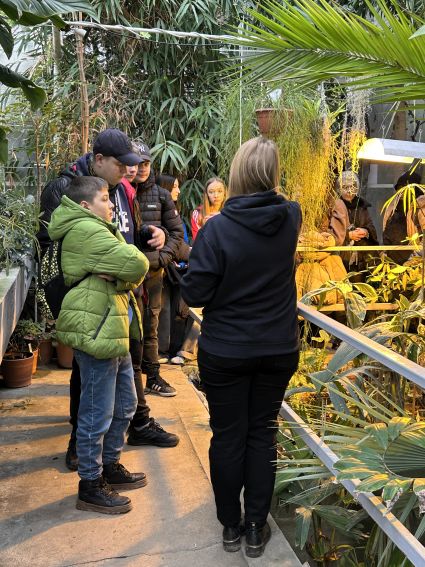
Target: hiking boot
232 537
71 459
256 538
152 434
117 476
157 385
97 496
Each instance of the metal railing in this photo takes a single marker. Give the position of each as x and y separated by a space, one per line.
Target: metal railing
373 505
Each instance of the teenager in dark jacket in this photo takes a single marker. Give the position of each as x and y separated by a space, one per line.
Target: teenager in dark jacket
112 154
242 271
174 316
153 205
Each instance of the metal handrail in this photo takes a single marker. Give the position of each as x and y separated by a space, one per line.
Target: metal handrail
395 530
385 355
379 248
373 505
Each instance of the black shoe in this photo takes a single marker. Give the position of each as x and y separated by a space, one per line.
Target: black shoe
98 496
152 434
256 538
232 537
157 385
117 476
71 459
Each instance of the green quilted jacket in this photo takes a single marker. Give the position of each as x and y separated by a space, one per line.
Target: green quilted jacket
95 314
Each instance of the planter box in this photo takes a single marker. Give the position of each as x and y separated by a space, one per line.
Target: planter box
13 292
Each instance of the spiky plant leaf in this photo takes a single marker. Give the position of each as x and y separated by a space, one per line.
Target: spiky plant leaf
311 42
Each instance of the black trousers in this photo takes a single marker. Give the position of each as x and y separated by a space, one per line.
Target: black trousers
153 286
141 417
244 398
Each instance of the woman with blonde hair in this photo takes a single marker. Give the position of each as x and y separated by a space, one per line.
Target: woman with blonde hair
242 271
213 200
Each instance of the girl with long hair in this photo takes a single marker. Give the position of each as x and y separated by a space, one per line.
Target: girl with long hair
213 200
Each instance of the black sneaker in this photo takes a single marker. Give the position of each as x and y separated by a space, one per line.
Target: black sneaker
152 434
117 476
157 385
256 538
232 537
71 459
97 496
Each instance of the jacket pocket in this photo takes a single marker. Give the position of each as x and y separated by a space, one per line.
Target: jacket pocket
102 322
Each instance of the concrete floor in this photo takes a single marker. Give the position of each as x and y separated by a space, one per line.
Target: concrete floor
173 521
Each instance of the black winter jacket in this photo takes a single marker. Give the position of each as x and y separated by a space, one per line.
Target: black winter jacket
242 271
53 193
155 207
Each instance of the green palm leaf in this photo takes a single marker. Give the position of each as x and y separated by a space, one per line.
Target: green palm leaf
311 42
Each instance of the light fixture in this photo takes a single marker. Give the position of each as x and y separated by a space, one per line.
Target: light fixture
382 150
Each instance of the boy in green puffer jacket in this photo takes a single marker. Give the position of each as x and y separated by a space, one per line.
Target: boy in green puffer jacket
97 318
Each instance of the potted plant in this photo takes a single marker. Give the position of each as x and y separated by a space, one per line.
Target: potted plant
64 353
18 363
45 347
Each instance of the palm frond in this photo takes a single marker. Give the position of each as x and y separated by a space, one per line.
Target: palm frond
310 42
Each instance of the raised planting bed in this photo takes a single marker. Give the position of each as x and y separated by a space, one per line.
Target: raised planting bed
13 292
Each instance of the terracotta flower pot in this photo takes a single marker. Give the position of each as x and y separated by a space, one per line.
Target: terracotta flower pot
265 117
17 369
268 117
34 360
45 351
65 355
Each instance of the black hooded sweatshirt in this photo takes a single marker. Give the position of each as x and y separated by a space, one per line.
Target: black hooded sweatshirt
242 271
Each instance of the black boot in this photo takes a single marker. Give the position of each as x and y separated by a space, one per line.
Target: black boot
71 459
232 538
97 496
256 538
117 476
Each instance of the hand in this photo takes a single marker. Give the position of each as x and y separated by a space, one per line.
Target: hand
356 234
106 277
158 237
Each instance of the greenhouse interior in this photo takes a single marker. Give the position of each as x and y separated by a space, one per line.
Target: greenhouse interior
224 203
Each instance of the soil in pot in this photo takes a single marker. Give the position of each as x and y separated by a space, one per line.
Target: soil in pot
65 355
45 351
17 369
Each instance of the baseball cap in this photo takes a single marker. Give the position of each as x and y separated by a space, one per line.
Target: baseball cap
114 143
143 151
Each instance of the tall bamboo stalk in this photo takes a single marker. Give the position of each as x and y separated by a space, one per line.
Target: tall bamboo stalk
84 97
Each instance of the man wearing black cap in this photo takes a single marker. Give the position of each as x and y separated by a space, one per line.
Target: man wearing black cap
112 153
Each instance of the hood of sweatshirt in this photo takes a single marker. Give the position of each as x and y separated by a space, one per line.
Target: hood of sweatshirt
68 214
263 212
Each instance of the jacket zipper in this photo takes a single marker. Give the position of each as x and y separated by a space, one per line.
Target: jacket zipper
105 315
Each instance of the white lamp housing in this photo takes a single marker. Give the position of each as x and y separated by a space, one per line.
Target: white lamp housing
391 151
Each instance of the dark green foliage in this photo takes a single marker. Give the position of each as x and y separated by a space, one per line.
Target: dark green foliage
160 89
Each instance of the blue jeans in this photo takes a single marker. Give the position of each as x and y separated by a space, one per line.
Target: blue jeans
108 402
